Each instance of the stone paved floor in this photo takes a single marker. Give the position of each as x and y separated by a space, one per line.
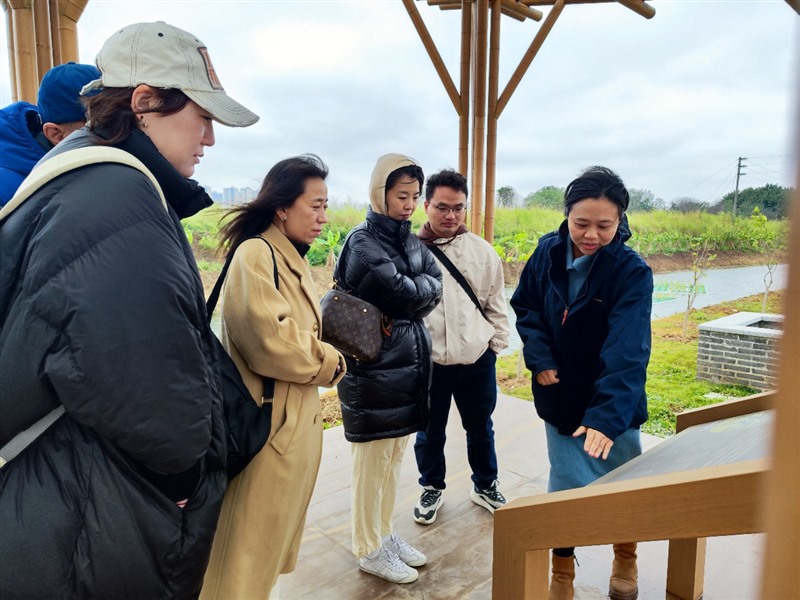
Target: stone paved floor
459 543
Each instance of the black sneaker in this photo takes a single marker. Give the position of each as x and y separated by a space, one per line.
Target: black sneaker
428 505
489 498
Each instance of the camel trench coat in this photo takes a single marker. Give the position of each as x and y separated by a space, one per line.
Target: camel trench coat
275 333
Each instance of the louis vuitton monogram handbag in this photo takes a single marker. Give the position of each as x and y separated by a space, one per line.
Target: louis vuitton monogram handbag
353 326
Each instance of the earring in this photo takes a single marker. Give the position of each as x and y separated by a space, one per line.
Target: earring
283 217
142 123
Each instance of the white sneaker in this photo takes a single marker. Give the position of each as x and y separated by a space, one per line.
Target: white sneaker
407 553
388 565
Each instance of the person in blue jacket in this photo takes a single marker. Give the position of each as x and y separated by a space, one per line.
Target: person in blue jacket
583 307
28 132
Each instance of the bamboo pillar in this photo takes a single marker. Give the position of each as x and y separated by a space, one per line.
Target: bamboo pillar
480 43
466 65
25 80
780 575
491 126
42 35
10 52
69 13
55 33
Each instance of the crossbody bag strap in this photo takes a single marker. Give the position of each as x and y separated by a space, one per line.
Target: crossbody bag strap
211 303
213 297
70 160
457 276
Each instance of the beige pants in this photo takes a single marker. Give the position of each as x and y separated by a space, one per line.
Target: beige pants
376 471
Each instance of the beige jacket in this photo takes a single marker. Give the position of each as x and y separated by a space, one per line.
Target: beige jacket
459 332
276 333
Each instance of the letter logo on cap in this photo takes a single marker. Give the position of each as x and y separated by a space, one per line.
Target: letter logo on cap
212 74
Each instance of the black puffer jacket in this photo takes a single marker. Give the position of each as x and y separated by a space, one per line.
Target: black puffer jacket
385 264
103 312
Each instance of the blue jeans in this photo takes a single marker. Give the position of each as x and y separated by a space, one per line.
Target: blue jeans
571 467
474 389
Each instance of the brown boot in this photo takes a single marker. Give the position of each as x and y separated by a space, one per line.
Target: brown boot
623 584
563 576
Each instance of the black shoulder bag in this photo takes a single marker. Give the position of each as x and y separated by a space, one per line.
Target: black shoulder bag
247 425
439 253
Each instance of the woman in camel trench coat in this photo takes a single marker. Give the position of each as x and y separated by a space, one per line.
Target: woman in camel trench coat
276 333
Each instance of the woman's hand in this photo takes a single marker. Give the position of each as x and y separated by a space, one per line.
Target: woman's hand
548 377
596 442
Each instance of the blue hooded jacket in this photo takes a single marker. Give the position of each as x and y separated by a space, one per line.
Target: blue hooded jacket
599 344
19 150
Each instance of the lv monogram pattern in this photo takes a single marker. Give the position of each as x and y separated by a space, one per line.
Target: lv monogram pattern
351 325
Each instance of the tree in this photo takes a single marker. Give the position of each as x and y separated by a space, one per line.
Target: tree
550 196
507 196
772 201
644 201
687 205
701 259
771 246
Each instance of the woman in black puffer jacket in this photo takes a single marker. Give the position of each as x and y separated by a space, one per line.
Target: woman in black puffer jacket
386 401
102 313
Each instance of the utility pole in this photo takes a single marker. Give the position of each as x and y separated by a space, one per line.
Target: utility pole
736 192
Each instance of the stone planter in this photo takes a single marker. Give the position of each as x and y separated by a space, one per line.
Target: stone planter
740 349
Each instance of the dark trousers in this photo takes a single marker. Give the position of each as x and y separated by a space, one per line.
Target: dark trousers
474 389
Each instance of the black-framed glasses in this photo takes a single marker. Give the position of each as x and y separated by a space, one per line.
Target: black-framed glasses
444 210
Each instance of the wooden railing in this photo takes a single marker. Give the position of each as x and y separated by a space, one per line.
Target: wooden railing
684 507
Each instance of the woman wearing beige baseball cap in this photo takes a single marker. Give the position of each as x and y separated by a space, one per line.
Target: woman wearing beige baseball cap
103 315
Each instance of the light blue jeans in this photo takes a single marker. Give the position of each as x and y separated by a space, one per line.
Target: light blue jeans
571 467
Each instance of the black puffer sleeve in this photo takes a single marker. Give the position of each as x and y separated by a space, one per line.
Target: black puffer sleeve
399 280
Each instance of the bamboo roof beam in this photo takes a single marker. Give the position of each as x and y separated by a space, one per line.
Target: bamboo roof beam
510 13
639 7
522 10
433 53
529 55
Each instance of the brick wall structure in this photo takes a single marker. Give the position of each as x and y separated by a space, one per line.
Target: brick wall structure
740 349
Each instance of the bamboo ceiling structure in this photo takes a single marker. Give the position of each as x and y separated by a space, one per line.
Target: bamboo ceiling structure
43 33
477 100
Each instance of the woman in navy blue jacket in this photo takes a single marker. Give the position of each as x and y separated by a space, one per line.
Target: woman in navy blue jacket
583 308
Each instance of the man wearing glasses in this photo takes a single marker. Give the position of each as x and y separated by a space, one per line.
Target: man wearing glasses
468 328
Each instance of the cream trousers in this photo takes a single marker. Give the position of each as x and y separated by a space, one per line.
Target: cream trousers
376 471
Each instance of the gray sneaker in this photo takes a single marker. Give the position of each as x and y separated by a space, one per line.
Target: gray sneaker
405 551
387 564
489 498
428 505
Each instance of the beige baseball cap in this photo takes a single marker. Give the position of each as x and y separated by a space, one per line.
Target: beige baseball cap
163 56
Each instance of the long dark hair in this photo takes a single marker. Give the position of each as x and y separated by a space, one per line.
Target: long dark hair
284 184
112 119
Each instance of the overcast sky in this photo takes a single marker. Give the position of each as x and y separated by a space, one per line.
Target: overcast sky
670 103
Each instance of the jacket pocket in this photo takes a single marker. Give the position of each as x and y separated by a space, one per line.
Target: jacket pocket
284 434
